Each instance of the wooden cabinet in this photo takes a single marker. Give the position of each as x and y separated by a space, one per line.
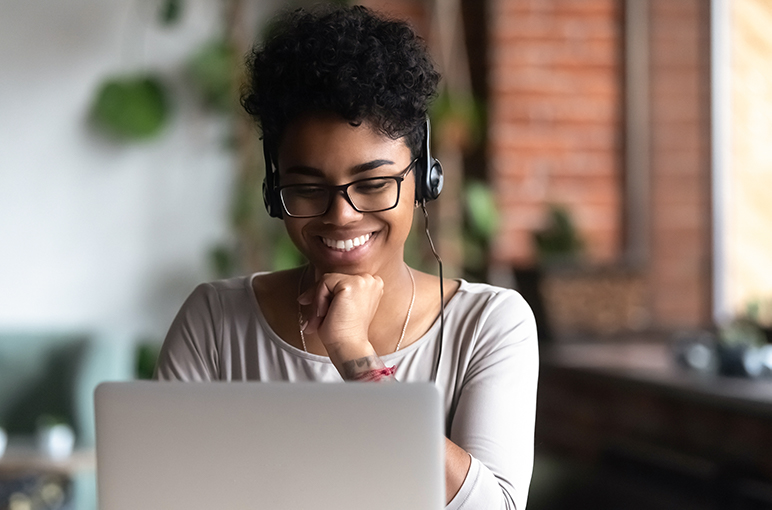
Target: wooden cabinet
632 406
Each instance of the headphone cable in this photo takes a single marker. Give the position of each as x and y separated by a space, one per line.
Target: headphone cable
435 369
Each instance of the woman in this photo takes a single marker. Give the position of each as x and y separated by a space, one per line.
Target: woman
341 95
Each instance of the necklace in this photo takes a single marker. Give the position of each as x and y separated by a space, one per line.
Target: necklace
404 326
300 312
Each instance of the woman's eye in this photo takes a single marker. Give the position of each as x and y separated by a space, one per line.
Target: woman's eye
308 192
372 186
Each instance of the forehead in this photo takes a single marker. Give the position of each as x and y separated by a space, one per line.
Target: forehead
328 142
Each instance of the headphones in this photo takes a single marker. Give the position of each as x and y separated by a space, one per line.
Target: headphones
428 173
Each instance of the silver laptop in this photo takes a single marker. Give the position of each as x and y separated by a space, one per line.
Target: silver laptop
202 446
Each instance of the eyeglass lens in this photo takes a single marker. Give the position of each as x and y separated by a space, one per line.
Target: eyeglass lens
368 195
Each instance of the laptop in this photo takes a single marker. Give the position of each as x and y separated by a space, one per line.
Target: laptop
275 446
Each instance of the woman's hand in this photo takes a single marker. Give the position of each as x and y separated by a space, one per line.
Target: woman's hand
342 308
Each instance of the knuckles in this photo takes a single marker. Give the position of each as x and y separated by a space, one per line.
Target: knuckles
353 283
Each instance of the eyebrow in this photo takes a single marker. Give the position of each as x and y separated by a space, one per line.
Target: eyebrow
358 169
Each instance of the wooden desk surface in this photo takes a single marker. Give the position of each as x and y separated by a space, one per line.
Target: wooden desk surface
654 365
24 457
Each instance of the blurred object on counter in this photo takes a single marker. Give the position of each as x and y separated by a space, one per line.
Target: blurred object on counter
55 437
740 348
696 350
3 441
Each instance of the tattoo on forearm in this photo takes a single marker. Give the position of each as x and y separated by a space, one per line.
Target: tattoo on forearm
356 366
354 369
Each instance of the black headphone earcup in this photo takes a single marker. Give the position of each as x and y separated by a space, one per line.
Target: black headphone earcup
429 176
271 201
271 198
435 179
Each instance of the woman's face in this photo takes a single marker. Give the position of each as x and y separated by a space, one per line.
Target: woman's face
325 149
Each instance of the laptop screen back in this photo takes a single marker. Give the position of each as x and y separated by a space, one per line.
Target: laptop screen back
175 446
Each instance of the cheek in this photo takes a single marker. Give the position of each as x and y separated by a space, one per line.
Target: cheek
294 228
403 218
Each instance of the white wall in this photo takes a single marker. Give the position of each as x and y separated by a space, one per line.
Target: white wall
94 234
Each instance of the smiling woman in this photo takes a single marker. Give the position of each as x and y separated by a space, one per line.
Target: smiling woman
341 95
327 150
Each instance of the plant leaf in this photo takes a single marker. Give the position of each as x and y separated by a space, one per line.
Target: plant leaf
132 108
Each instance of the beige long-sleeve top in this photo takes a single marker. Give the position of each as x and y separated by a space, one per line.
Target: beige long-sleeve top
487 372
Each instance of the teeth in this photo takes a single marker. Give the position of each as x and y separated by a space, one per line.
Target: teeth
347 244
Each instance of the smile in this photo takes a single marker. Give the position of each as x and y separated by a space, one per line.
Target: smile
347 244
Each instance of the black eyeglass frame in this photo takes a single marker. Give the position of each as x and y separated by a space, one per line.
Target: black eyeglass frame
343 189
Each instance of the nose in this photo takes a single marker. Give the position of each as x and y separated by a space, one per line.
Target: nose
341 212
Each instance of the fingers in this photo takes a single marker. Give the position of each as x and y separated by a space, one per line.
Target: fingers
355 298
324 295
319 297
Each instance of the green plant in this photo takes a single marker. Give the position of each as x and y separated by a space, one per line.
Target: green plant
132 107
171 12
147 356
481 223
741 332
50 420
211 69
559 241
461 117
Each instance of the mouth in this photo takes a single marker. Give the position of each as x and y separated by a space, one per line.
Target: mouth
345 245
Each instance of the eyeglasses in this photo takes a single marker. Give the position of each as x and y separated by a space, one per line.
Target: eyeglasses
375 194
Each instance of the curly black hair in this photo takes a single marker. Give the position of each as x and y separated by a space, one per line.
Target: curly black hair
344 60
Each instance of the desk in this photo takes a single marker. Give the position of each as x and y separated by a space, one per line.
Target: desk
26 458
634 398
73 477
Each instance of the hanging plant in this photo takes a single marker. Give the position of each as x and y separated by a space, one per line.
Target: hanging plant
171 12
480 225
482 213
132 108
460 118
211 69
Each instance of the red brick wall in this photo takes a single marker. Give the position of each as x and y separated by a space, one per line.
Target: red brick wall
555 93
555 125
680 261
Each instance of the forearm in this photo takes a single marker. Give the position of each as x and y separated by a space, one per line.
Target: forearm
457 462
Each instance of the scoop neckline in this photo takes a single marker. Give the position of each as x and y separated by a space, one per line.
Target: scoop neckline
291 349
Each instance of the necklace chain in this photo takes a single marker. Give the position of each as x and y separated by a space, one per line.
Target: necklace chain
404 326
300 312
409 310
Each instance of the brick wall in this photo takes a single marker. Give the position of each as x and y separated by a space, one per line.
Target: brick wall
555 92
556 128
555 125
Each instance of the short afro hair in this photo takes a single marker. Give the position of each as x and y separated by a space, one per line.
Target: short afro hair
348 61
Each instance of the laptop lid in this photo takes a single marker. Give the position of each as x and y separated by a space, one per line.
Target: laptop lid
175 446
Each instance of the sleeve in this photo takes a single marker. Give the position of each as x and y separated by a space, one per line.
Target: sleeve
189 352
496 412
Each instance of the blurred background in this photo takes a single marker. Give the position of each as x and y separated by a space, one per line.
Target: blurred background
610 159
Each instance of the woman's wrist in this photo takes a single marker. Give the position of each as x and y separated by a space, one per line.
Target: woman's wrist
376 375
360 363
368 368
